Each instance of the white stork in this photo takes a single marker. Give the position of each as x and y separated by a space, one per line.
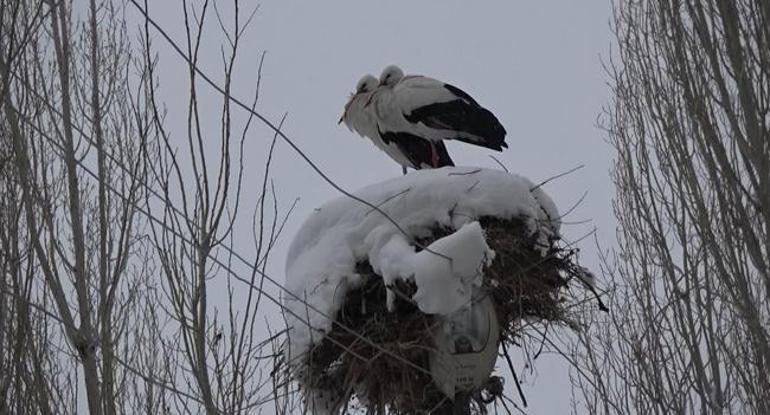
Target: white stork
416 152
415 108
354 116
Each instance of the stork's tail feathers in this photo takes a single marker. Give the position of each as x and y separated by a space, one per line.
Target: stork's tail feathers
483 130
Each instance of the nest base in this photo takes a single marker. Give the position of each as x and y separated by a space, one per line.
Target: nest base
522 282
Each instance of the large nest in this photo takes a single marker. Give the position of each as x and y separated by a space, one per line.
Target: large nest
525 280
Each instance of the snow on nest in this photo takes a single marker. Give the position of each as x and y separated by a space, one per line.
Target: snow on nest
321 262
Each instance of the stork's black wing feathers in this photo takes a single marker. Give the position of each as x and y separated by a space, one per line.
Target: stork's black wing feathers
417 149
461 94
463 115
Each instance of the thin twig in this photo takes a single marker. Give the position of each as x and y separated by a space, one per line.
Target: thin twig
499 163
513 372
574 169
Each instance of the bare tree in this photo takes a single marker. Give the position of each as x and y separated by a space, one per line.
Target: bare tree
690 280
214 346
100 197
75 134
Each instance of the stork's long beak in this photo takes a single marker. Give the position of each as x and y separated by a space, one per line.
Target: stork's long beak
347 105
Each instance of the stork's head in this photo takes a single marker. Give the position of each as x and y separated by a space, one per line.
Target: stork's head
367 83
391 75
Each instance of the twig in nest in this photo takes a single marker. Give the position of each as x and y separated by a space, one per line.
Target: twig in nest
512 403
590 287
389 198
556 177
542 343
513 371
465 173
574 206
499 163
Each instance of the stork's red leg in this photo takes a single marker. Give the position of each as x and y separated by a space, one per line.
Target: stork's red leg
433 154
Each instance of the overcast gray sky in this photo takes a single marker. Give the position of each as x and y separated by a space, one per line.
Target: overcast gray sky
535 64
